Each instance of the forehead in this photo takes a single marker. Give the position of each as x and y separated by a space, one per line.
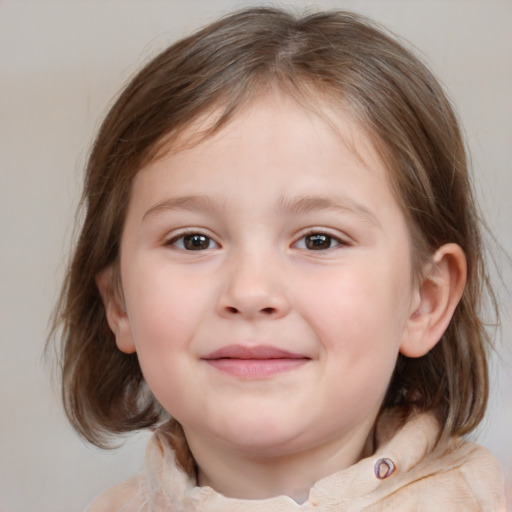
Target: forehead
292 147
321 108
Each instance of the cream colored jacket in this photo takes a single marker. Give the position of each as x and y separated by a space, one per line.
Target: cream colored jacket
450 477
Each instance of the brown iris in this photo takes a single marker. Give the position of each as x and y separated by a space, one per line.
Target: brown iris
318 241
196 242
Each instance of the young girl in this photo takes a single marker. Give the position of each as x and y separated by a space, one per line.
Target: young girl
280 272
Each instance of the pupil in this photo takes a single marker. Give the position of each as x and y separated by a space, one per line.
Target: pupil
196 242
317 242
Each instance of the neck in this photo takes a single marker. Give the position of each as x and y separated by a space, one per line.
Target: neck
248 475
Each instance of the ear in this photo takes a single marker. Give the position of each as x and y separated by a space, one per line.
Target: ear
117 317
438 293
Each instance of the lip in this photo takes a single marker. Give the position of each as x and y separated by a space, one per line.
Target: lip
254 362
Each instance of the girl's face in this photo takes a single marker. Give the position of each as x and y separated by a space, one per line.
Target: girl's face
267 282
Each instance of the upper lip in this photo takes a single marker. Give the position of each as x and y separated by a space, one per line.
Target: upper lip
256 352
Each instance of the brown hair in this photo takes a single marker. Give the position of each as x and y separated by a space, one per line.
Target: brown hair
338 56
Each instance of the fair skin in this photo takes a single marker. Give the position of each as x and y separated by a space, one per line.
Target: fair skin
267 290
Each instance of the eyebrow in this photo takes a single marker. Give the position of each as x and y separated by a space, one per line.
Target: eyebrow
341 204
286 205
190 203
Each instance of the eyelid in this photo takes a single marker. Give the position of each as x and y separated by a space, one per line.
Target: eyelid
343 241
176 235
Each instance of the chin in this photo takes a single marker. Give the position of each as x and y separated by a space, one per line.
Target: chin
263 438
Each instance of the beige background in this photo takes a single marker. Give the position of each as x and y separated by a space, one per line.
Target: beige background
61 62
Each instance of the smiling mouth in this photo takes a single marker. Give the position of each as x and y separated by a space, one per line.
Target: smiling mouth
254 362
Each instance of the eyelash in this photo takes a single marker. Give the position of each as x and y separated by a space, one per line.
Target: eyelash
321 236
196 238
182 237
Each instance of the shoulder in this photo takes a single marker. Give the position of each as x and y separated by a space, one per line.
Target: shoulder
463 475
127 496
479 471
439 474
159 487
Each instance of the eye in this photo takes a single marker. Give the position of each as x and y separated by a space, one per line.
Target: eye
193 242
317 242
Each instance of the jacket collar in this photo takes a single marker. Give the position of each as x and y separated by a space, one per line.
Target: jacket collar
399 448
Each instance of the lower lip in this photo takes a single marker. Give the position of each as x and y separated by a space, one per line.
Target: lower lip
256 368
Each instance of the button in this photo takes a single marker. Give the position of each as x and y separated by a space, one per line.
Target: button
384 468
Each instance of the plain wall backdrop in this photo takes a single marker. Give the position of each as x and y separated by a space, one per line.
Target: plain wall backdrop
61 63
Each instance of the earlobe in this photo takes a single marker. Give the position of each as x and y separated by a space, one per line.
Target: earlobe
115 311
436 298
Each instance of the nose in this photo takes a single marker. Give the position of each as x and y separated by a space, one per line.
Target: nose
253 288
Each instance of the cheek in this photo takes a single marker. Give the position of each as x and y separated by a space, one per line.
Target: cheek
164 319
361 308
164 307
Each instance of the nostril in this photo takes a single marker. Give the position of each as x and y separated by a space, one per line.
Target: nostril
231 309
268 311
